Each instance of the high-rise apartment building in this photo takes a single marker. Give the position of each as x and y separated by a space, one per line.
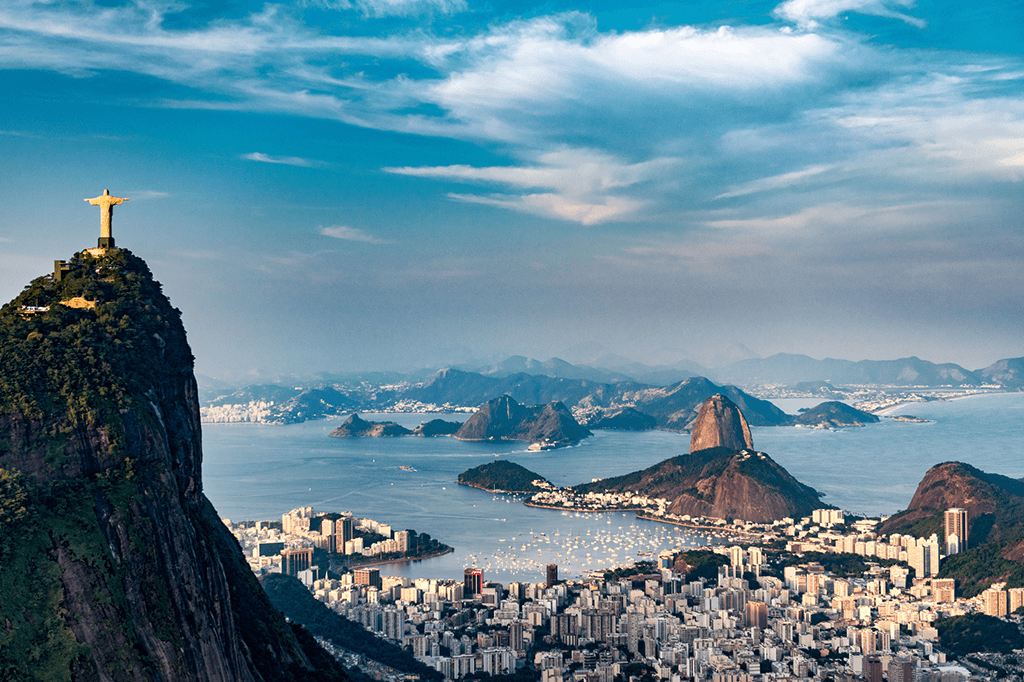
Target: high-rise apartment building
474 582
367 576
344 528
944 590
1016 598
994 601
295 560
757 614
551 575
402 538
955 525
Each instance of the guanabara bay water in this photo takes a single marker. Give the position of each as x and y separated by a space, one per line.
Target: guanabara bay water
259 472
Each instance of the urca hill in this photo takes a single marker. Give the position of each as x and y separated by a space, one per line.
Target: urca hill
113 564
722 476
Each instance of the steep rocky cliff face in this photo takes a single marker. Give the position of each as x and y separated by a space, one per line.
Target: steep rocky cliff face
113 564
720 424
505 419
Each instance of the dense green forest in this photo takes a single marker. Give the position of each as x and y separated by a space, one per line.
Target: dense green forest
503 476
702 563
840 564
976 569
977 633
84 365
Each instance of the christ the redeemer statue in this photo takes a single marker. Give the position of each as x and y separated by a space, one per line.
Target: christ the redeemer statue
106 204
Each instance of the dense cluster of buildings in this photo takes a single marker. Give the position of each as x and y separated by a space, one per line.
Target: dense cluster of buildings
809 624
744 627
292 545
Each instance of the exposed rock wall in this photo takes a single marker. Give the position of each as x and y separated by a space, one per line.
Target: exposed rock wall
100 445
720 424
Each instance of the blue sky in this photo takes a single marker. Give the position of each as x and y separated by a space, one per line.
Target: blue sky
335 185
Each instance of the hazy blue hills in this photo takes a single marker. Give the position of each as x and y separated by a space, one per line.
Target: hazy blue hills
675 407
1007 373
456 387
786 368
594 394
623 419
555 367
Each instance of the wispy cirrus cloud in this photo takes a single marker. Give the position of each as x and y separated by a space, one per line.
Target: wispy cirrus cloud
144 194
284 160
775 182
392 8
809 13
350 234
701 113
586 184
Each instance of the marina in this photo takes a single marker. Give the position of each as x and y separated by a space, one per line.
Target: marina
259 472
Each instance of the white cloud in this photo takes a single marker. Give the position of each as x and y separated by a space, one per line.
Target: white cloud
775 182
585 184
392 8
563 61
286 160
560 207
350 234
545 87
144 194
808 13
937 126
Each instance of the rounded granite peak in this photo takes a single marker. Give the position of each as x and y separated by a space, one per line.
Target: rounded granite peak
720 424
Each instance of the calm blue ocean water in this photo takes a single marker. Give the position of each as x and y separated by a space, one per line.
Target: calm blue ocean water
259 472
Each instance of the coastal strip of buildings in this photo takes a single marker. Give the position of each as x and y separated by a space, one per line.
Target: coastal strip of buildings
743 625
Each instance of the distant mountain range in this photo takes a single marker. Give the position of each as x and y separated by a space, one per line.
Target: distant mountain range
786 369
593 394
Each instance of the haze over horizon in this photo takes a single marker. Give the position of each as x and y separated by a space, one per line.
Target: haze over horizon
343 185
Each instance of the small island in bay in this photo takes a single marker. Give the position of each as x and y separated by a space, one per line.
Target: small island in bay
356 427
437 427
505 419
504 477
911 419
834 414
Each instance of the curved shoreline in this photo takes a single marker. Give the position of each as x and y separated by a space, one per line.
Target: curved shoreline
497 490
584 511
401 560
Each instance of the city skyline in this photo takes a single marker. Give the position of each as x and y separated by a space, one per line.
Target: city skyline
385 184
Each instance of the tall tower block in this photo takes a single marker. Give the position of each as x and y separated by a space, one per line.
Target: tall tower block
955 525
